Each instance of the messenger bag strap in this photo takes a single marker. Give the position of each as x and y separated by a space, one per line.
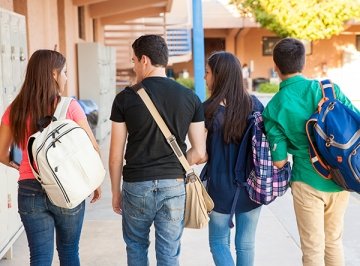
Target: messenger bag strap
139 89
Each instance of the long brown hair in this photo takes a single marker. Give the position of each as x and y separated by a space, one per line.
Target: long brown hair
38 95
228 87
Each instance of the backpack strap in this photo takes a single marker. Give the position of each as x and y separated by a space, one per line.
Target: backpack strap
319 165
62 107
327 88
60 113
328 93
31 157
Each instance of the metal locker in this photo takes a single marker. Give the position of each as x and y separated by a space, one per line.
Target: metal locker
15 55
4 235
2 104
23 56
6 57
12 62
14 224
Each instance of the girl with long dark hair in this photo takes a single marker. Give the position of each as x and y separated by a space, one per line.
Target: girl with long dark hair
226 113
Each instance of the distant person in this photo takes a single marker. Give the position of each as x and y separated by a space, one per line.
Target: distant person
153 189
226 113
39 95
246 76
324 70
319 203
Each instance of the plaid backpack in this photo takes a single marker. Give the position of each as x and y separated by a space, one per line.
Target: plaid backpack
264 182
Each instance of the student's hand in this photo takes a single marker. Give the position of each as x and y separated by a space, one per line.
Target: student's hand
116 203
97 195
280 164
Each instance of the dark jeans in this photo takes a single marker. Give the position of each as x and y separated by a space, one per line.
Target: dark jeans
41 218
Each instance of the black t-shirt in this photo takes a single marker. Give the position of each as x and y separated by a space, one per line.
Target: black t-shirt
148 155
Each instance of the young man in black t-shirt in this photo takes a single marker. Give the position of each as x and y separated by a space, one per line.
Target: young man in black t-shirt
153 189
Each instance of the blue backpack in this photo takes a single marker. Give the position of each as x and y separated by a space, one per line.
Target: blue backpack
333 132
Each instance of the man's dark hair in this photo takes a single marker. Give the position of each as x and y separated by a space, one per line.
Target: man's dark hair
154 47
289 56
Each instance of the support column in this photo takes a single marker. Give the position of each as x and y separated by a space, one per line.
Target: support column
198 50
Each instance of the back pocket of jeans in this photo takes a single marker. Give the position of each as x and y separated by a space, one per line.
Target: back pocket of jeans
26 202
133 205
173 208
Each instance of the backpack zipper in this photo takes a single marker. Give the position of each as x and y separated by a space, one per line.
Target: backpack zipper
334 143
328 109
53 173
350 164
47 137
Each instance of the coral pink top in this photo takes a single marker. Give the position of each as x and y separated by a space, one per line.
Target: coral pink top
75 113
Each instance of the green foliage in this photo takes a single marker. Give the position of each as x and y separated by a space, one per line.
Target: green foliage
268 88
187 82
307 19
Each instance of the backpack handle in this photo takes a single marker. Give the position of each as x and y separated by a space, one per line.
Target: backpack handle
44 122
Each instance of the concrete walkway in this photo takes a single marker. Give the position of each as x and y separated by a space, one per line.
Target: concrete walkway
277 241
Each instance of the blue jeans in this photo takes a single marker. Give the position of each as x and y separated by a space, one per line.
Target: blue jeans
161 202
219 238
41 218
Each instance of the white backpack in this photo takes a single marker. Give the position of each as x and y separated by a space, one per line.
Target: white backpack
64 160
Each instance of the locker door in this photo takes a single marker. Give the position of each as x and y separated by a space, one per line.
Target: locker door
6 57
4 233
23 56
15 54
2 107
14 222
10 81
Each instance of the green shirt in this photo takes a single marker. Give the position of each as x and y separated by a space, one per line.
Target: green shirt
285 117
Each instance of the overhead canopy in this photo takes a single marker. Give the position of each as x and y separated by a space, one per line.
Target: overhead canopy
125 20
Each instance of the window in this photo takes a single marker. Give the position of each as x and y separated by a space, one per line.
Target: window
358 42
268 44
95 27
81 22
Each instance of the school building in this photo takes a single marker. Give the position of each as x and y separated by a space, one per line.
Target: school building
96 36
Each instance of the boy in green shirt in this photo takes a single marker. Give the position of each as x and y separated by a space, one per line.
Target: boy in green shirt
319 203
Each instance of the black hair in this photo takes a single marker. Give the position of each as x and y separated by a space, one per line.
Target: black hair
289 56
154 47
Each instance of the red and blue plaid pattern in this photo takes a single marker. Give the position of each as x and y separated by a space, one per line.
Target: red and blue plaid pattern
265 182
